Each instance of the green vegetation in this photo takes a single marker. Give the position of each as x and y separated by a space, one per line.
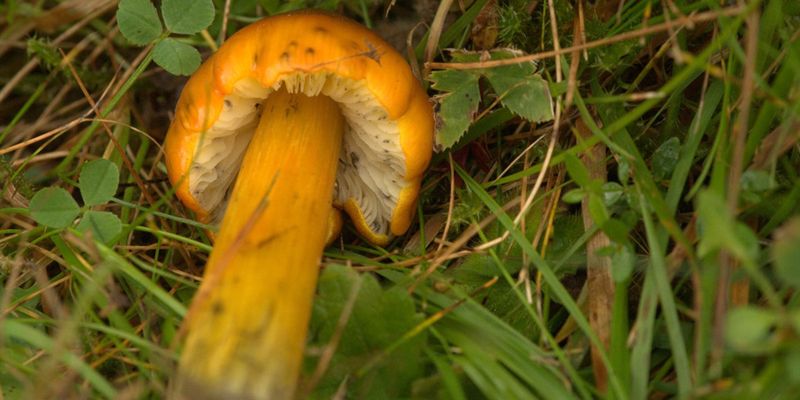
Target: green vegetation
619 218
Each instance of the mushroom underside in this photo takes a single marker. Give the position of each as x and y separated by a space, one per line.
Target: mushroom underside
371 165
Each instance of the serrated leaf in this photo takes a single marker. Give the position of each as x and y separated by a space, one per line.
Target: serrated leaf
522 91
379 318
103 225
457 106
187 16
520 88
138 21
54 207
98 181
175 57
451 80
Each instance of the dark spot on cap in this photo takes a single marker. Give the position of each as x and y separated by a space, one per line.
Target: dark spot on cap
228 103
373 52
293 43
310 51
285 56
320 29
217 308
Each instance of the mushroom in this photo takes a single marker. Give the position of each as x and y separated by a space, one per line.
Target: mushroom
294 115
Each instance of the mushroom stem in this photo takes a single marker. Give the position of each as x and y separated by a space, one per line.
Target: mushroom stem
247 326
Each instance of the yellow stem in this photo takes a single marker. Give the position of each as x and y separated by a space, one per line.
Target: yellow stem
247 325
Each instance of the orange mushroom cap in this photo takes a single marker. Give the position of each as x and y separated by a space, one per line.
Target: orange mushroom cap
389 138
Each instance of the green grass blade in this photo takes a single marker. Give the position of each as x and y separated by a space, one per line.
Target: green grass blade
15 330
547 273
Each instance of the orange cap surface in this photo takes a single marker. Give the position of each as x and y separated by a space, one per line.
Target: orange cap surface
307 42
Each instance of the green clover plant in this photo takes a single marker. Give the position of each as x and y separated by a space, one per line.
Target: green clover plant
139 22
54 207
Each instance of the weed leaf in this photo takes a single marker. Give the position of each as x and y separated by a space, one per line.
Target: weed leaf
378 320
98 181
103 225
458 104
187 16
138 21
175 57
520 89
54 207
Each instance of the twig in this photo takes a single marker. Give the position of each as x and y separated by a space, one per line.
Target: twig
600 285
6 90
223 30
450 204
727 261
435 33
683 21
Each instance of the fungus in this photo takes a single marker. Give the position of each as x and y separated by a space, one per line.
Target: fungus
294 115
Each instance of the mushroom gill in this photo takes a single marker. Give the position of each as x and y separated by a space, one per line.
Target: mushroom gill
371 170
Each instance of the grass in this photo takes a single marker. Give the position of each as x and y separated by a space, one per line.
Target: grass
641 244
